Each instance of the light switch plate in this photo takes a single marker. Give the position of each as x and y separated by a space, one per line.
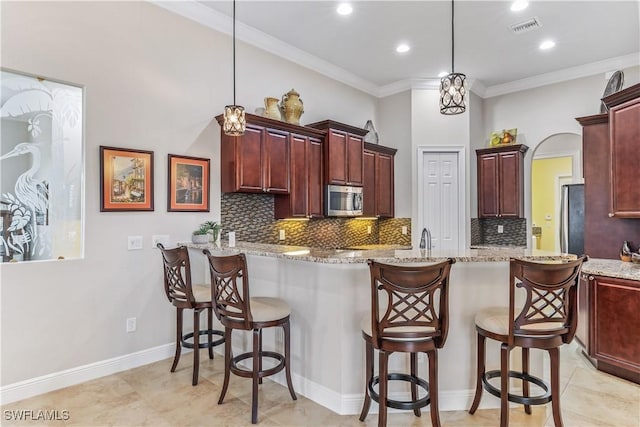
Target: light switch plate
134 243
160 238
281 235
501 229
404 230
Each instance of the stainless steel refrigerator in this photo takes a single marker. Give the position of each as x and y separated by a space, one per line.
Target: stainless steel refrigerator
572 219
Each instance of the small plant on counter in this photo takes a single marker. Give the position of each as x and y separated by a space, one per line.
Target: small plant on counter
206 228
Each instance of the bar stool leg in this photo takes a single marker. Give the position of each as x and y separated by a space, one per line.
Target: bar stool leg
255 378
196 346
176 357
525 384
260 355
480 373
504 385
287 358
210 329
554 355
433 387
382 391
368 376
414 386
227 363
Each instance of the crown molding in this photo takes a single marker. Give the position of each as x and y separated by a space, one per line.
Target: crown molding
560 76
220 22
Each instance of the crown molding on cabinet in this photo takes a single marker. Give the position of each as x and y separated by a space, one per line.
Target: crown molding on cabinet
208 17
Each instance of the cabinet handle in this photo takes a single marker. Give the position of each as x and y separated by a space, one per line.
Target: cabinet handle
611 215
591 278
268 189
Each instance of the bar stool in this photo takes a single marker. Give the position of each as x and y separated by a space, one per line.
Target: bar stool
237 310
410 314
548 318
183 295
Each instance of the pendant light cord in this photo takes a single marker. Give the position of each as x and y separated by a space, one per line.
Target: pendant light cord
234 52
452 38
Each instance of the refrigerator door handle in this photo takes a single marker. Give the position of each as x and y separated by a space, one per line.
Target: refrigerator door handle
564 199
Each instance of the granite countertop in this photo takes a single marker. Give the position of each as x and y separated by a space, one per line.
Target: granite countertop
354 256
612 268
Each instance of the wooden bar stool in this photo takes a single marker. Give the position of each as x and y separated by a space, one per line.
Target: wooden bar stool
409 314
184 295
547 320
237 310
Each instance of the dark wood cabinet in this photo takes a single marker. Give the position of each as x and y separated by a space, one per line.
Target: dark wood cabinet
614 335
624 137
378 181
305 197
501 181
344 151
582 332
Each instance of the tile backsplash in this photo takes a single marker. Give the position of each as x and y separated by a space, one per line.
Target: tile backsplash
484 231
251 217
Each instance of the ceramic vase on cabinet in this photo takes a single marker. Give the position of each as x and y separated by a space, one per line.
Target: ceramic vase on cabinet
271 109
292 107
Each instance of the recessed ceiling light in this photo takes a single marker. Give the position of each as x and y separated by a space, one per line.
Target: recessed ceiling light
443 73
402 48
547 44
344 9
519 5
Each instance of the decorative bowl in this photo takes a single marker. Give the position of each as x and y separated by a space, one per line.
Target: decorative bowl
635 258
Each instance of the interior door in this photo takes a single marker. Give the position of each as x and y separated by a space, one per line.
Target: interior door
441 199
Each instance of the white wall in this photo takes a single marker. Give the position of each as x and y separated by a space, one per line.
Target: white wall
154 81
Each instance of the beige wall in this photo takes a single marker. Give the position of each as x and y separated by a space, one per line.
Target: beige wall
154 81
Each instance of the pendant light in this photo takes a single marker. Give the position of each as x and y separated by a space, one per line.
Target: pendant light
234 118
453 86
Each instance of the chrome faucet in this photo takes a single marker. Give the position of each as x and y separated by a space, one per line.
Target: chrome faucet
425 240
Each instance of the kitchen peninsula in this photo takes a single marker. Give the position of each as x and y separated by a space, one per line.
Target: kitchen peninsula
329 292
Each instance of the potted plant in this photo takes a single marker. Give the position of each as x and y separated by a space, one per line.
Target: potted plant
206 229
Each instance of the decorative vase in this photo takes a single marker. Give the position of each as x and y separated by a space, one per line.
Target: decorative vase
372 136
271 109
625 252
292 107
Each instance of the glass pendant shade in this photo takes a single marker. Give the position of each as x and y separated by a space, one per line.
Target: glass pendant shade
453 94
235 122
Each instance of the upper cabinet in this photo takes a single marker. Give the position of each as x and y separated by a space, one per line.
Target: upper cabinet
344 150
624 142
378 181
501 181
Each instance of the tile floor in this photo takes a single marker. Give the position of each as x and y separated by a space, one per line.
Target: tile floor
151 396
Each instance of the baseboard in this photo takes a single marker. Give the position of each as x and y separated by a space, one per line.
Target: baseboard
57 380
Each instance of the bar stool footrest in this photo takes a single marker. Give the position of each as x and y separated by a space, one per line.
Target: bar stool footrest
189 336
398 404
516 398
243 372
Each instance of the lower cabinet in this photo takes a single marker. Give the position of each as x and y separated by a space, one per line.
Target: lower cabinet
613 325
378 181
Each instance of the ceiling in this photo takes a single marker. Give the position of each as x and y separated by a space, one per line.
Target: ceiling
359 49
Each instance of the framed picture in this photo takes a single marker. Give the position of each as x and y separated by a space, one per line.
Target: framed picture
188 189
507 136
126 179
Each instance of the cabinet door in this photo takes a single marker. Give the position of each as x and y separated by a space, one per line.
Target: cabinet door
336 158
355 147
315 181
249 172
299 160
510 183
488 185
625 157
582 332
369 184
276 153
616 307
384 185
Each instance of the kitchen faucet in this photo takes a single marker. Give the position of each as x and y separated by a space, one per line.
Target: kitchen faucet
425 240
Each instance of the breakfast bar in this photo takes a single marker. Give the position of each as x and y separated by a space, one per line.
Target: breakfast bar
329 293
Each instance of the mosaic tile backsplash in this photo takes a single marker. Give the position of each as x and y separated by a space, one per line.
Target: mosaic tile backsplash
484 231
251 217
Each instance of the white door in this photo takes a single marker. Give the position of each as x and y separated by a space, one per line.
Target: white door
440 208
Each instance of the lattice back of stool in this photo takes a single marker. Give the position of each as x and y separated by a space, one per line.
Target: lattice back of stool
230 287
177 275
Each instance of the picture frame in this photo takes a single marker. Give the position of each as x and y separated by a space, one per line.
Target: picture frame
504 137
126 179
189 182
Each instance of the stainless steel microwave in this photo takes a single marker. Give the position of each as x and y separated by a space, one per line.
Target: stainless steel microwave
343 201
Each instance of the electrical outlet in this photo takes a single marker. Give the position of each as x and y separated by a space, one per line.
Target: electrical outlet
131 324
404 230
160 238
368 229
134 243
281 235
501 229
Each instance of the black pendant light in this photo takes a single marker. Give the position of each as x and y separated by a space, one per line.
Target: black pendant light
234 118
453 87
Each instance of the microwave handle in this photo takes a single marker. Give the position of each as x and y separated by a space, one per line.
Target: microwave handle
357 201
